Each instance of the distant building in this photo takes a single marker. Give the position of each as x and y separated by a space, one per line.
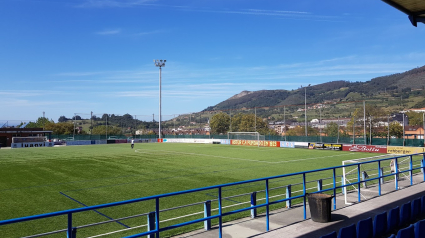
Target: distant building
6 134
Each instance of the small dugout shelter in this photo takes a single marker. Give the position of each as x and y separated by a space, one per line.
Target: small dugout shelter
414 9
6 134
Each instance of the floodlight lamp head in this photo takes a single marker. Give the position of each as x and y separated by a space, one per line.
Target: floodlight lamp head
165 61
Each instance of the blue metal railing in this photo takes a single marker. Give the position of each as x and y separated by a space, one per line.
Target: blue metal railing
71 231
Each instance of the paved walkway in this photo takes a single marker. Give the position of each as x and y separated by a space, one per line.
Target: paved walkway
289 222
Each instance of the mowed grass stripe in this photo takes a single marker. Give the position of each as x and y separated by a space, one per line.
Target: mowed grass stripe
34 177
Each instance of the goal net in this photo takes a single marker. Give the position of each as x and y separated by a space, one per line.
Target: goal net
365 169
245 136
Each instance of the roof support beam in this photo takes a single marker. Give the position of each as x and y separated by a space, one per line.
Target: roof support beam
399 7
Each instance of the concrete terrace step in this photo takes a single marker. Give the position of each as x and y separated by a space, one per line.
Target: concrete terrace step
289 222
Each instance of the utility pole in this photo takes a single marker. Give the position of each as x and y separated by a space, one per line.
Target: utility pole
320 122
370 129
91 123
73 134
284 120
255 119
388 123
404 138
160 64
337 140
44 121
305 110
364 122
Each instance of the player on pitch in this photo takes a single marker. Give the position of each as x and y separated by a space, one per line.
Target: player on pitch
132 143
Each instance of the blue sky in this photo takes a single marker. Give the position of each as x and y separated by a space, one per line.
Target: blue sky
77 56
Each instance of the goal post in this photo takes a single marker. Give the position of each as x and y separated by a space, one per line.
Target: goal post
366 169
245 136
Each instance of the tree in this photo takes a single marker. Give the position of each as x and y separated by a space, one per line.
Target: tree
331 129
250 123
101 130
373 115
415 119
220 123
60 128
396 129
40 123
300 131
62 119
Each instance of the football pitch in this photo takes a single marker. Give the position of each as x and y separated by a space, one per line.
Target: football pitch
42 180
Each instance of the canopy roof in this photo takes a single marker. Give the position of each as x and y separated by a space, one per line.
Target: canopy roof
415 9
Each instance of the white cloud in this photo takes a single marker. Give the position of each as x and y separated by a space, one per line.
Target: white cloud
109 32
113 3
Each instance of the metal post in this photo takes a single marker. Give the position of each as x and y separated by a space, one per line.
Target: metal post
411 171
160 64
370 130
337 141
106 126
305 110
267 206
91 124
396 173
404 137
422 165
358 184
207 213
320 122
157 217
364 121
69 230
388 123
253 203
151 223
159 128
255 119
334 180
380 173
220 218
354 132
319 185
288 195
230 112
73 133
284 120
304 193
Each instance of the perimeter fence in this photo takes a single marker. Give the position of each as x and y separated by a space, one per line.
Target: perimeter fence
233 200
317 139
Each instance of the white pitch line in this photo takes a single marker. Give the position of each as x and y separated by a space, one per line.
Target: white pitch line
145 151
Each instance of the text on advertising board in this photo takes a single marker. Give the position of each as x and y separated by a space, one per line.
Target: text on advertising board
365 148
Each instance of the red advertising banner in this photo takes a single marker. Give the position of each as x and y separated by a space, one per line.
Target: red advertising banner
160 140
365 148
255 143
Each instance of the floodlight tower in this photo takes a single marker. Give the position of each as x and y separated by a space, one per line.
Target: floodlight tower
160 64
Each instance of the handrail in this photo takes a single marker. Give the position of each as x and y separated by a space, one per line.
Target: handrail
69 212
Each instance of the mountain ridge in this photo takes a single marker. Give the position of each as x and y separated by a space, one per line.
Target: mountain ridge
402 85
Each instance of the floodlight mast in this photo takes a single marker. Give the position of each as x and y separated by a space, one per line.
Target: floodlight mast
160 64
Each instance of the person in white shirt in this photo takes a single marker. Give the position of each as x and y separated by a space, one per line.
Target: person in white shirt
132 143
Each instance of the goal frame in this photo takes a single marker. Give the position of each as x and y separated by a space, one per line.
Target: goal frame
253 133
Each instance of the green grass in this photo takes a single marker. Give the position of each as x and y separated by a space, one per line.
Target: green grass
41 180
